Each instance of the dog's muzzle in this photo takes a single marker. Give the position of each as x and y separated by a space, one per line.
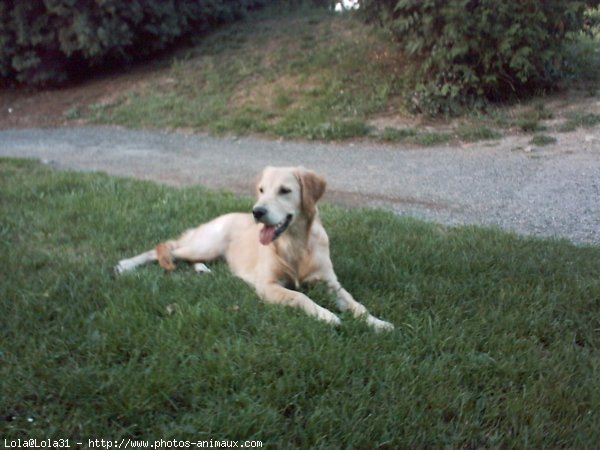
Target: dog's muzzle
259 212
269 232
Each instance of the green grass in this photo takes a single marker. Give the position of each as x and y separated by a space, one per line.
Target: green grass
432 138
477 133
412 136
468 133
391 134
496 340
306 74
580 120
528 120
542 140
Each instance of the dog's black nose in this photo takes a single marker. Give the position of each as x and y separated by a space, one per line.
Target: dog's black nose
259 212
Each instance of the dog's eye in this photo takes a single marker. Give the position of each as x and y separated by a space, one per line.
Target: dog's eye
261 190
284 190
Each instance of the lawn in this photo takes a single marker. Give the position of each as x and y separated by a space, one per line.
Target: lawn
306 73
496 340
303 73
312 74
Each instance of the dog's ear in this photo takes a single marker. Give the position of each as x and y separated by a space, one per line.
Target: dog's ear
312 187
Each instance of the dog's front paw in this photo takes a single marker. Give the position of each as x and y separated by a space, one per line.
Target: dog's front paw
327 316
378 324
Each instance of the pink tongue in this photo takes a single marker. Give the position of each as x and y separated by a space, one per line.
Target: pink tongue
267 234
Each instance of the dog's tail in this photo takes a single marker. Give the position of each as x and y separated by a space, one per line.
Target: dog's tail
165 257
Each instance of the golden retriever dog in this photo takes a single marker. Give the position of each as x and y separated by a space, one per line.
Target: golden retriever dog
280 245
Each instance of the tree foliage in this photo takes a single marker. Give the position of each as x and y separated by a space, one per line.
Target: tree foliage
469 50
48 41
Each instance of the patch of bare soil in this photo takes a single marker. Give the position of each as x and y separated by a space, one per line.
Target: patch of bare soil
558 106
25 108
55 107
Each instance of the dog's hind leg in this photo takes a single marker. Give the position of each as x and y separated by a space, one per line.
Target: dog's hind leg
202 244
194 246
126 265
198 245
167 252
164 255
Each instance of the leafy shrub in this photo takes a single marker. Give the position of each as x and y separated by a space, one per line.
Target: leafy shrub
469 50
48 41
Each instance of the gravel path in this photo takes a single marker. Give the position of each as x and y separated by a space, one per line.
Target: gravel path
552 191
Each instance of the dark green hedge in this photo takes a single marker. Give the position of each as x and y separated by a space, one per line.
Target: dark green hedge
49 41
468 50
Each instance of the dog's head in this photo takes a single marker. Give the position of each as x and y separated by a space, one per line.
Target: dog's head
287 196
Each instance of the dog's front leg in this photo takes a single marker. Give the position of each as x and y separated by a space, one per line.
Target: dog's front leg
276 294
345 301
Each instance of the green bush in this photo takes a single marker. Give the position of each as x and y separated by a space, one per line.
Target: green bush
474 50
48 41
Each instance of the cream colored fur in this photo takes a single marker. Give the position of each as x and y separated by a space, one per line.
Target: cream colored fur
299 255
